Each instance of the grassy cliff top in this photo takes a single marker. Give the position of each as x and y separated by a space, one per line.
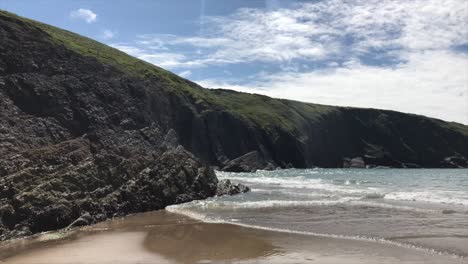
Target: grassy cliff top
106 54
263 111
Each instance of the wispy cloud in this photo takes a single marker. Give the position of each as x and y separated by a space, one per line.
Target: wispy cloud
167 60
84 14
131 50
321 31
108 34
368 53
185 74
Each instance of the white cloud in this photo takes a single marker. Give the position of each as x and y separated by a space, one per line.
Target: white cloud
108 34
324 28
85 14
320 31
131 50
324 49
169 39
167 60
433 83
185 74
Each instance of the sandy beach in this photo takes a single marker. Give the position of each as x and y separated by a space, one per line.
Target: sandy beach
162 237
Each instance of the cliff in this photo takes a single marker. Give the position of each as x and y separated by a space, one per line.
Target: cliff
88 130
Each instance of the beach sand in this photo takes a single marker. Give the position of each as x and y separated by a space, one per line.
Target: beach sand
162 237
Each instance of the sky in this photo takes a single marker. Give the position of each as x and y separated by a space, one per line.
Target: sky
403 55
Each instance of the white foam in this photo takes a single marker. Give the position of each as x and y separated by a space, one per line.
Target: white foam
392 206
303 188
374 195
301 182
434 196
197 216
216 204
275 203
286 182
294 193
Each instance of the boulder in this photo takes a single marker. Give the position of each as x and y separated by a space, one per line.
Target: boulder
454 162
411 165
271 167
226 187
357 162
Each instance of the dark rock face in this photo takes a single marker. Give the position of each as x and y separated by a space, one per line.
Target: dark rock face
226 187
49 196
379 137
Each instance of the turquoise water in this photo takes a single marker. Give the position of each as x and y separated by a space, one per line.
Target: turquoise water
437 186
426 209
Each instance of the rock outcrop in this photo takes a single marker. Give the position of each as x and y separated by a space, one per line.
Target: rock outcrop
226 187
357 162
44 194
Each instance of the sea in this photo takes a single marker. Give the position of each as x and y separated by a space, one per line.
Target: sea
423 209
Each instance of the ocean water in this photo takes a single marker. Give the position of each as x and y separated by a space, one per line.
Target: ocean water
424 209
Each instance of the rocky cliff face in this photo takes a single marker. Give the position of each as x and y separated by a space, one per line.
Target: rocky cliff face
79 137
88 130
322 136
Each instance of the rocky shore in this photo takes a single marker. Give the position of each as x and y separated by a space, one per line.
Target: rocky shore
43 194
89 133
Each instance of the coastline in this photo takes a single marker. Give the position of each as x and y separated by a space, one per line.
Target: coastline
165 237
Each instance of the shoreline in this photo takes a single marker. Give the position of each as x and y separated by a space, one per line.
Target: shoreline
411 243
165 237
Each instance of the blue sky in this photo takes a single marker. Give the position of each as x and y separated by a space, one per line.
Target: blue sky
404 55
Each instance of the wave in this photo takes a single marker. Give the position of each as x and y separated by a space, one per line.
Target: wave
440 197
286 182
348 202
345 194
374 195
298 184
203 218
301 182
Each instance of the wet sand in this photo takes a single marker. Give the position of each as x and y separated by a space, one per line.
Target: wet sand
162 237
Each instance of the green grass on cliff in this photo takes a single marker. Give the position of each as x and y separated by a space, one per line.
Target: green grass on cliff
268 112
106 54
263 111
